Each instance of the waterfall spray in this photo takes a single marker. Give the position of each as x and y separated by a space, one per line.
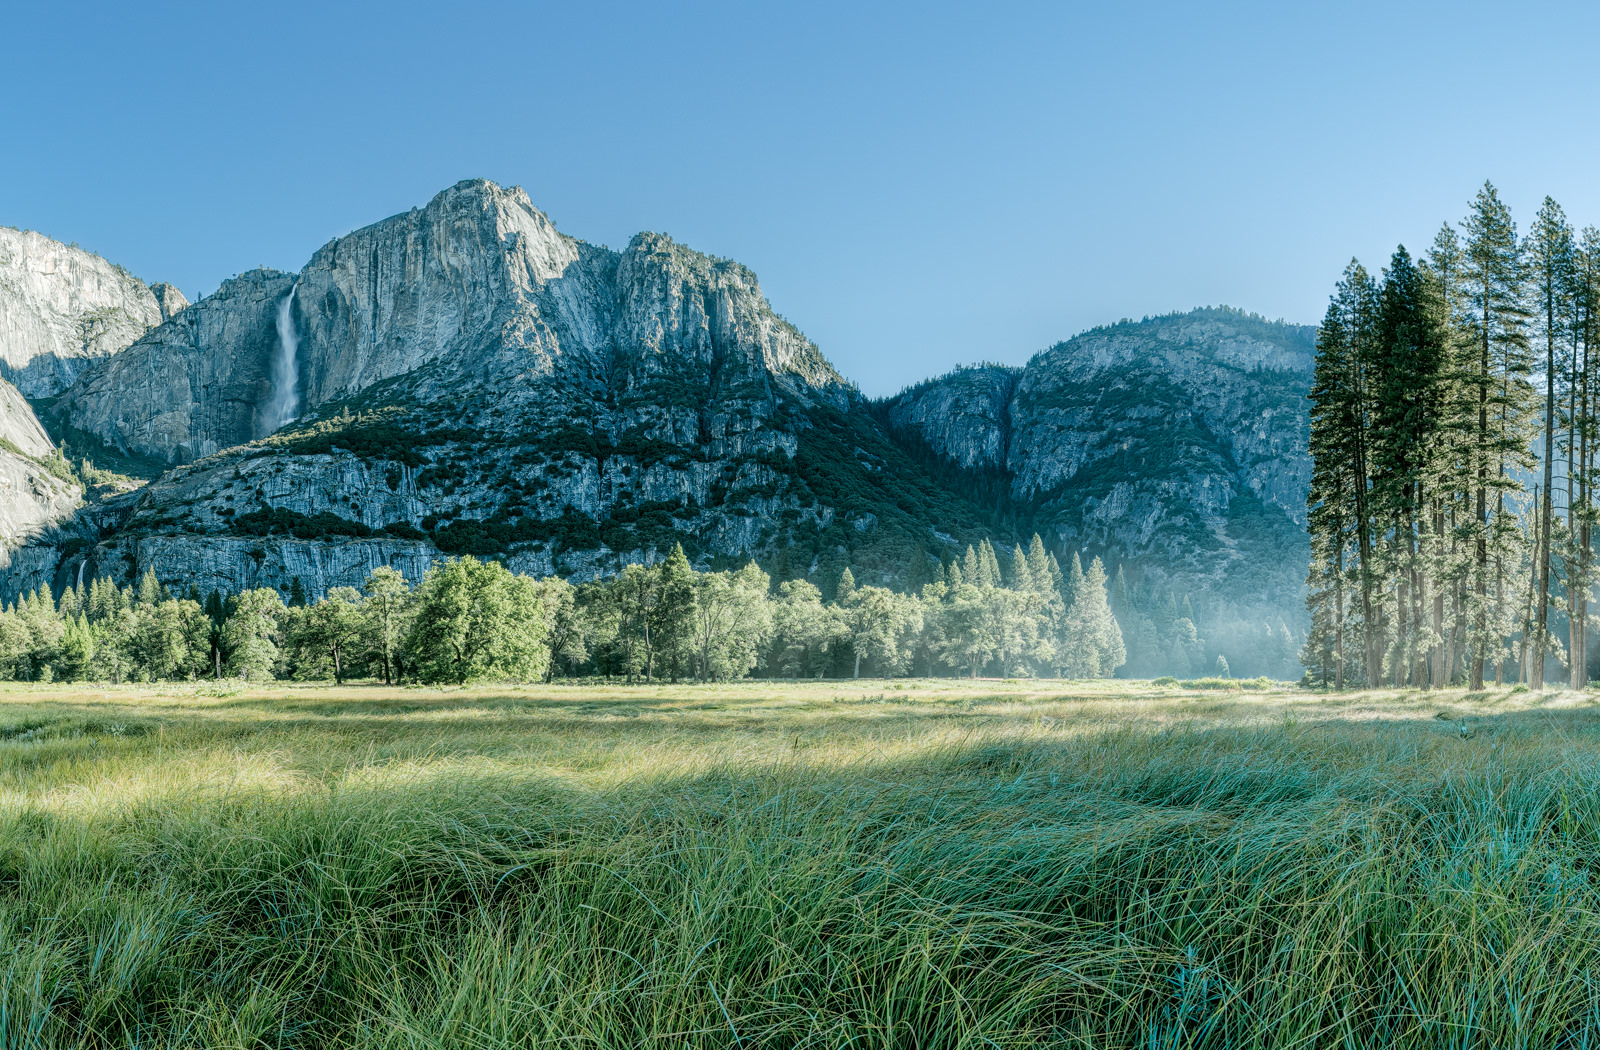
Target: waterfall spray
285 369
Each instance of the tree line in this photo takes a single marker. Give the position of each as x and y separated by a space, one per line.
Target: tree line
469 620
1453 428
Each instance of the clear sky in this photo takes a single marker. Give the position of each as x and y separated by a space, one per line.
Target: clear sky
917 185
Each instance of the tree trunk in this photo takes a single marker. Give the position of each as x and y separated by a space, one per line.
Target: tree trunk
1480 583
1438 678
1541 616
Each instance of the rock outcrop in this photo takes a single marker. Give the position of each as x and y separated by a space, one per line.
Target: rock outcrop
1177 444
964 416
62 308
171 301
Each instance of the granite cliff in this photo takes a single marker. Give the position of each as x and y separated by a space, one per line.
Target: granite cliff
470 380
38 491
63 308
465 378
1175 446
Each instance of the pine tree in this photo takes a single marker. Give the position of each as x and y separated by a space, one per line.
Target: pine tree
1329 517
71 603
1021 577
1550 252
1492 279
1072 587
972 568
989 565
149 589
1039 564
1341 509
1408 378
674 612
1582 441
1445 556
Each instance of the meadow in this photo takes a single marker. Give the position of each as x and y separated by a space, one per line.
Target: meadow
863 864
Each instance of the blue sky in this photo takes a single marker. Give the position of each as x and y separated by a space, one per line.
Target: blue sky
917 185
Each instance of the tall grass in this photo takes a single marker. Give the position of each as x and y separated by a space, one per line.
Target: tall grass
746 868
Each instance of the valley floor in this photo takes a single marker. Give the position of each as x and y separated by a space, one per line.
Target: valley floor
875 863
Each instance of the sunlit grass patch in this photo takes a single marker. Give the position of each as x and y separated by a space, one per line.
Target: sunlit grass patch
930 863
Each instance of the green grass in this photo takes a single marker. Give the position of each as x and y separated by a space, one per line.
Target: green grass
910 864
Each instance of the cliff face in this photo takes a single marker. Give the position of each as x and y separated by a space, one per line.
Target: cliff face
475 292
1177 443
1212 400
192 386
62 308
964 416
34 498
473 381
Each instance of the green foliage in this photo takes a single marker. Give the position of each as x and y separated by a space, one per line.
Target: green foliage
389 433
322 637
844 461
252 633
571 530
280 521
474 621
386 617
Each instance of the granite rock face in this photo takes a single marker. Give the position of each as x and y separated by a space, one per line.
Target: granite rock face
475 292
964 416
34 499
1177 444
63 308
193 385
470 375
171 301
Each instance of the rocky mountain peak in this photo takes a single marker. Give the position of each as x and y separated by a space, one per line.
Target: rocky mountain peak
475 290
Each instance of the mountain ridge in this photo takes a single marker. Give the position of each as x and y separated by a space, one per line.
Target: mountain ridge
474 381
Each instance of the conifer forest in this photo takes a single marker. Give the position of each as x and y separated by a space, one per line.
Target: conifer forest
1453 435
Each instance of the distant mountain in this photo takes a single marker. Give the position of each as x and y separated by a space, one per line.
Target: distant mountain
464 378
1174 446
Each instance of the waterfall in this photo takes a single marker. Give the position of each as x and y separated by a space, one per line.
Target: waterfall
285 369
